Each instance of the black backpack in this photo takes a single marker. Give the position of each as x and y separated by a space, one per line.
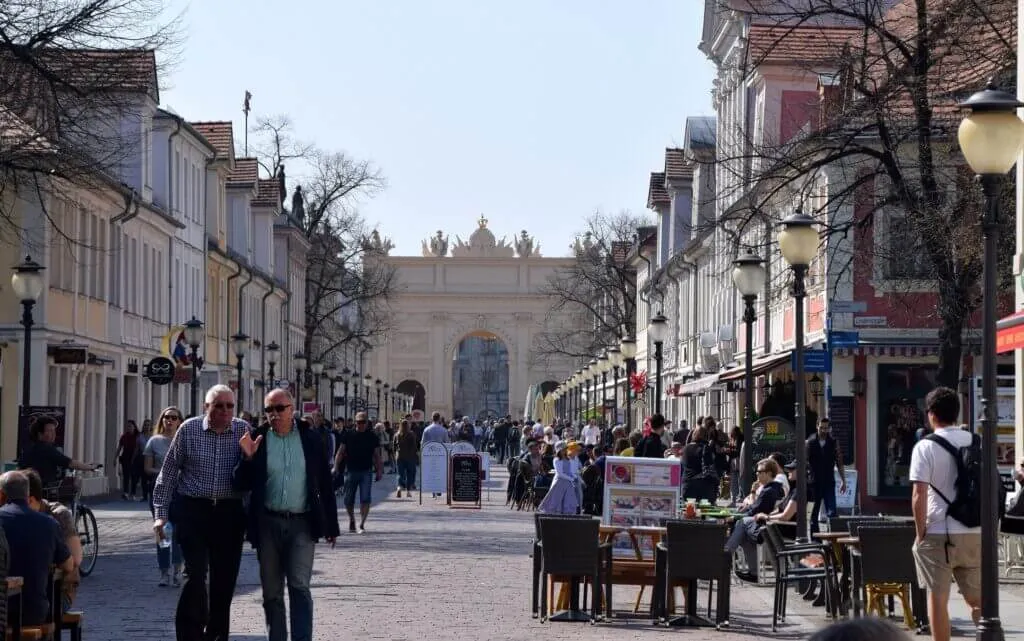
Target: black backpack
966 504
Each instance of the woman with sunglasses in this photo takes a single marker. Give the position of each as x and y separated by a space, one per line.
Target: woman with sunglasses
153 458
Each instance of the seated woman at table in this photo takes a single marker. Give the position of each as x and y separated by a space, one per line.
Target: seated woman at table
747 531
563 497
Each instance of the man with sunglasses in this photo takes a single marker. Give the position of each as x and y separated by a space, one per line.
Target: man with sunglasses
291 507
194 489
360 452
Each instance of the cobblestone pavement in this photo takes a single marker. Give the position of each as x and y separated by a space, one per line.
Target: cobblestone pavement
420 572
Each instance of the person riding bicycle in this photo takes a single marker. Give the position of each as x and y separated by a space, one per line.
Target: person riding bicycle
43 456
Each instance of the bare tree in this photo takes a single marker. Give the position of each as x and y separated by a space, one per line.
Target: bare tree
874 158
73 74
347 285
593 301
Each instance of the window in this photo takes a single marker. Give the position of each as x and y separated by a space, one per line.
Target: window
904 255
133 276
83 250
95 256
901 392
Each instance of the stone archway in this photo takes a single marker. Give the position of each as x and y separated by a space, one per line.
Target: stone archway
480 377
415 389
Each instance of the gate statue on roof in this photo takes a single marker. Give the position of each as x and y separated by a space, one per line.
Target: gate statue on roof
482 244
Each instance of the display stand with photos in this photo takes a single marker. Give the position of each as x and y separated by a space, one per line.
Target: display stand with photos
433 469
639 492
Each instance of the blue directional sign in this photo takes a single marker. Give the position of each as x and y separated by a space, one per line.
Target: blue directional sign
815 360
844 339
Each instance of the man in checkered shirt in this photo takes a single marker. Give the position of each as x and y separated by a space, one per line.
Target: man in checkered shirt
194 492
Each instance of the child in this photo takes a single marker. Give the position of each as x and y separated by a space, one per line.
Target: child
564 495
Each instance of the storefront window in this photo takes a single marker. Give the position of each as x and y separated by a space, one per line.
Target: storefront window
901 392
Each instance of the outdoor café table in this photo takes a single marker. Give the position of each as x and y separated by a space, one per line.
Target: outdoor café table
14 585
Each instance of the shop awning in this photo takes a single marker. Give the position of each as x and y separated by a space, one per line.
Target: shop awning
761 366
699 385
1010 333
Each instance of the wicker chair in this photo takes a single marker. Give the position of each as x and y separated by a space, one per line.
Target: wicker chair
886 567
788 570
536 555
682 565
570 549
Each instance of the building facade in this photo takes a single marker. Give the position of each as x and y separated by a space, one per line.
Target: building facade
453 307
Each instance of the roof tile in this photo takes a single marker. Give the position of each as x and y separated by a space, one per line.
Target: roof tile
268 194
784 44
219 133
676 166
656 194
245 174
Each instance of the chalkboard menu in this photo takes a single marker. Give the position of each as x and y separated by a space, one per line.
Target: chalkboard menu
772 434
465 478
840 414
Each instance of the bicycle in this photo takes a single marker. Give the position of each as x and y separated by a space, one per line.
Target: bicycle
69 493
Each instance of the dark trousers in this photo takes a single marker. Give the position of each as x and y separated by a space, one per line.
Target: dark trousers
211 537
406 474
126 476
823 492
286 553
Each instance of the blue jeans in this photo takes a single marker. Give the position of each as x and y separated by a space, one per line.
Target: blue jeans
825 492
406 475
285 552
166 556
361 481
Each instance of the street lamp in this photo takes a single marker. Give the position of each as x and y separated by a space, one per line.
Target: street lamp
273 351
239 345
387 389
628 348
346 376
300 368
378 384
615 358
816 385
331 372
27 283
991 137
317 367
194 336
798 243
658 330
858 385
367 380
603 365
748 274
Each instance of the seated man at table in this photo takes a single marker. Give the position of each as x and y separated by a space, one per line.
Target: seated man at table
747 531
35 543
72 539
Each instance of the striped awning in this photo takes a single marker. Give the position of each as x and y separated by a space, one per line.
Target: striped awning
888 350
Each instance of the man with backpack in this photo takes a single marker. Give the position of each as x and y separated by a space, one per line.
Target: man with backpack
946 468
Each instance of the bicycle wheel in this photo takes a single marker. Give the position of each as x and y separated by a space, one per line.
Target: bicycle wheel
85 523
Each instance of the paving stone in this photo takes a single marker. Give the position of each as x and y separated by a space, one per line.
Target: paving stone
420 572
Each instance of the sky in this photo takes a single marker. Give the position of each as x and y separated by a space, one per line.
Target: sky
534 113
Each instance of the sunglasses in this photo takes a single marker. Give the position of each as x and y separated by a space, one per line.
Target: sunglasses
761 470
172 417
223 406
276 409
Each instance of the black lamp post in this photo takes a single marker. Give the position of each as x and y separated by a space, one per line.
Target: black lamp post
273 351
367 380
346 375
748 275
239 345
357 382
299 360
577 383
378 385
798 244
388 410
990 137
27 283
317 368
194 335
628 348
615 358
331 373
658 328
604 364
